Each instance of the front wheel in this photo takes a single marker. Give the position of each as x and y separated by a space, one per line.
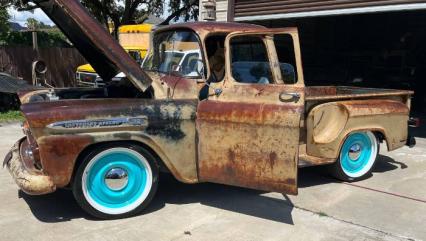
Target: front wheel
357 157
116 181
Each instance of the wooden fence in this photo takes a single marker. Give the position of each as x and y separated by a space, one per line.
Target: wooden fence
61 63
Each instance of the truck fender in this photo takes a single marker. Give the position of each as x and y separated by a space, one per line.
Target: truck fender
329 124
60 163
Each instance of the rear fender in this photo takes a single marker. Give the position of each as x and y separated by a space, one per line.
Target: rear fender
329 124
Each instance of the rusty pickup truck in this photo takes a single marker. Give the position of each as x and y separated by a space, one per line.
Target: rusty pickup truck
236 111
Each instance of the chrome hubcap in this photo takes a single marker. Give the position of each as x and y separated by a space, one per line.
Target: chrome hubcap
354 152
116 179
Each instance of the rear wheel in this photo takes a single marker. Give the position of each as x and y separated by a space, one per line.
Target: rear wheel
357 157
116 181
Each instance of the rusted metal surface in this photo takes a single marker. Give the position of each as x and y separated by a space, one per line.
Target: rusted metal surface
30 154
204 28
29 182
251 143
169 130
247 136
93 41
248 145
306 160
59 153
341 92
325 136
174 87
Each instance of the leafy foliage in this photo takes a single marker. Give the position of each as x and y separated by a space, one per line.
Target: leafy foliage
48 36
34 24
186 9
18 4
4 21
117 12
122 12
46 39
11 116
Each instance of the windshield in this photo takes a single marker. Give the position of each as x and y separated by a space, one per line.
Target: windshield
170 59
175 52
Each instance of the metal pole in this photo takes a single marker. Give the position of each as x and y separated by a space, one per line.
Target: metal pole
35 41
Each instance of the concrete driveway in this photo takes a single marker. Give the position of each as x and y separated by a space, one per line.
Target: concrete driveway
391 205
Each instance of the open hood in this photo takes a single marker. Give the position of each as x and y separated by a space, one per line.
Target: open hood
96 45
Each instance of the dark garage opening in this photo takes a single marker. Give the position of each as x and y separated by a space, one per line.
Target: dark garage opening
381 50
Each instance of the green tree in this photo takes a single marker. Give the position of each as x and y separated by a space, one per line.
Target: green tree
122 12
4 21
34 24
51 38
18 4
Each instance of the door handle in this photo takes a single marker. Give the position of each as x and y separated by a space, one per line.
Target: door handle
289 97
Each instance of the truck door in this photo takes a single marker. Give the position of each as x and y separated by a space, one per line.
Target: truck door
248 135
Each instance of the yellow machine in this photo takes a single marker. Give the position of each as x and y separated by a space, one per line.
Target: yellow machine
135 39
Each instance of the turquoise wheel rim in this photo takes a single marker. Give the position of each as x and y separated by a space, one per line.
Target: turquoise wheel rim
131 194
358 154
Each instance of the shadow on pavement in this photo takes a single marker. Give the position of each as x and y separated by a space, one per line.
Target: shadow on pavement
385 163
61 206
234 199
318 175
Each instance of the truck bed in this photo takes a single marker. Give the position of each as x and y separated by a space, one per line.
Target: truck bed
315 93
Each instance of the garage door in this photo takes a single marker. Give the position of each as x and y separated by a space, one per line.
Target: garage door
273 9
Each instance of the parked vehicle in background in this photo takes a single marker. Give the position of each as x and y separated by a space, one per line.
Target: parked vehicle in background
135 39
237 112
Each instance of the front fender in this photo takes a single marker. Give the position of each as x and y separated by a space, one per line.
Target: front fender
329 124
59 153
64 129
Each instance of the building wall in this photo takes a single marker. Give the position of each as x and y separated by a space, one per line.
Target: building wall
221 10
249 10
252 10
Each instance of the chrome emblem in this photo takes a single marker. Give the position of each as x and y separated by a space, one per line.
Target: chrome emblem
98 123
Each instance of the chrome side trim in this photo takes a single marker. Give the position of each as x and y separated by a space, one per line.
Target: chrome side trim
99 123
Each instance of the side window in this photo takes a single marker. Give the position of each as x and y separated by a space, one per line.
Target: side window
249 60
286 56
